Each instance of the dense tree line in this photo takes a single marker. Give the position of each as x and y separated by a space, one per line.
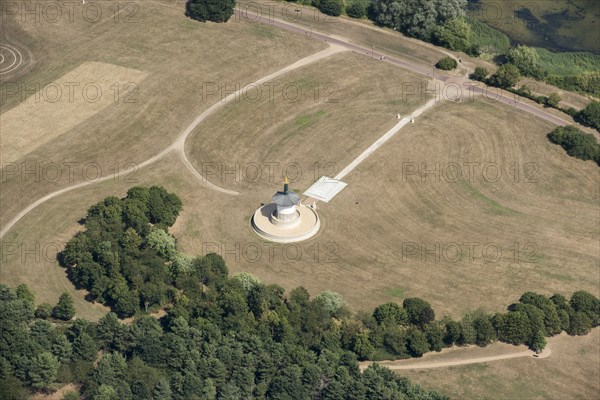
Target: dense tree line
230 341
419 18
411 330
577 144
329 7
238 338
230 337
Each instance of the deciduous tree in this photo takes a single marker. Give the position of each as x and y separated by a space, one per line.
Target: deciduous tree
418 18
527 60
390 314
455 34
210 10
419 311
506 76
480 74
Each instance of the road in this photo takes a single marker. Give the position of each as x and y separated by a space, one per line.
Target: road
478 88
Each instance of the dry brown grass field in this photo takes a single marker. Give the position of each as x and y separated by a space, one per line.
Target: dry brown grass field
362 250
571 372
306 123
318 120
539 213
177 56
41 118
378 212
426 215
359 32
543 200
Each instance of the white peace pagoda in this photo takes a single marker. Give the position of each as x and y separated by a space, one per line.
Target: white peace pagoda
286 219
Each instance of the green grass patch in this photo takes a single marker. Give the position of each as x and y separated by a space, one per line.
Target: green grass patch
309 119
488 39
493 205
537 258
579 72
394 292
559 277
567 64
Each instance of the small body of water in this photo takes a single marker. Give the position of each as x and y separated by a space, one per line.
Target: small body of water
559 25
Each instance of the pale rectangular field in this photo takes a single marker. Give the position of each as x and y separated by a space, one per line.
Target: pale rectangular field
59 106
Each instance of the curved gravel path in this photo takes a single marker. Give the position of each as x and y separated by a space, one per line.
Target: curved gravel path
336 45
179 144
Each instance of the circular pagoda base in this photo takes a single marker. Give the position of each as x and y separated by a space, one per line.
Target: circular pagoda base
263 226
290 223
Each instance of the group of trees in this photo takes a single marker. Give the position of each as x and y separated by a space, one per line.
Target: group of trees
231 337
577 144
569 71
411 330
438 21
358 8
329 7
527 61
441 22
354 8
590 115
210 10
125 258
505 77
508 75
64 310
523 61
